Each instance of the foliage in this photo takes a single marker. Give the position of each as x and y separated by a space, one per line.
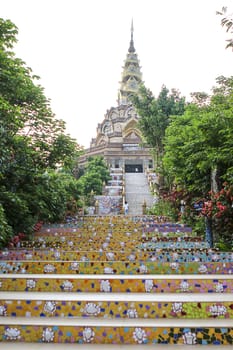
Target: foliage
155 114
19 217
32 143
98 165
219 207
63 153
5 228
164 208
169 204
96 173
191 215
91 182
200 141
227 22
199 147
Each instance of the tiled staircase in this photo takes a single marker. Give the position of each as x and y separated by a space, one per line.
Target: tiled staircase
116 282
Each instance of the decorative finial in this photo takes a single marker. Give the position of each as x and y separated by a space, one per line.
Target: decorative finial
132 29
131 46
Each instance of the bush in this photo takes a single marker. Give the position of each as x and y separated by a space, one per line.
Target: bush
219 207
6 231
164 208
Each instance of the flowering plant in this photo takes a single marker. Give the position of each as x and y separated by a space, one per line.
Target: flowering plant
219 208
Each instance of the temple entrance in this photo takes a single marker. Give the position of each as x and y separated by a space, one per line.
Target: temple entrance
133 168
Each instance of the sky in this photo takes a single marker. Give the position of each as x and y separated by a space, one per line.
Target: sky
78 48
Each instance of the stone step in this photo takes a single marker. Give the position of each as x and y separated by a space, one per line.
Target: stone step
121 297
117 331
108 284
137 192
116 305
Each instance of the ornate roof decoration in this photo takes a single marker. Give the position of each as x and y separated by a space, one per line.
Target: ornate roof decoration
131 131
131 76
120 122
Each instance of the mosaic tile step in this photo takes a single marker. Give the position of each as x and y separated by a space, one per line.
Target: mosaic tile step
119 223
96 244
149 234
113 237
118 308
162 256
177 229
115 267
151 246
73 346
117 284
214 332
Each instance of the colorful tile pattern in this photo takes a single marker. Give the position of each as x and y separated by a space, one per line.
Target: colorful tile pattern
116 246
116 309
71 255
114 267
118 335
112 285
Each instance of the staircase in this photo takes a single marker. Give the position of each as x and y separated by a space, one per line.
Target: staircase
116 282
137 192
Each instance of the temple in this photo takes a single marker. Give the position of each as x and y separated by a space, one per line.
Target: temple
118 138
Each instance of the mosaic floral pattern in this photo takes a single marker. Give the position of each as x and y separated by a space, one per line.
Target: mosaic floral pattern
109 204
48 335
50 307
139 335
105 286
49 268
12 334
189 338
118 255
117 285
91 309
67 286
119 335
3 310
116 309
119 267
116 247
88 335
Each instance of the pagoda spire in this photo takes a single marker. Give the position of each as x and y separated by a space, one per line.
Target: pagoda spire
131 76
131 46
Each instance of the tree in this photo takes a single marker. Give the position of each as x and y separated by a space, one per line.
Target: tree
98 165
227 22
155 115
32 142
198 153
6 229
96 173
201 140
63 153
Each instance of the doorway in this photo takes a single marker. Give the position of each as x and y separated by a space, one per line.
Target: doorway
133 168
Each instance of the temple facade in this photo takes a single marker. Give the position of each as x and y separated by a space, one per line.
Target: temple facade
118 138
